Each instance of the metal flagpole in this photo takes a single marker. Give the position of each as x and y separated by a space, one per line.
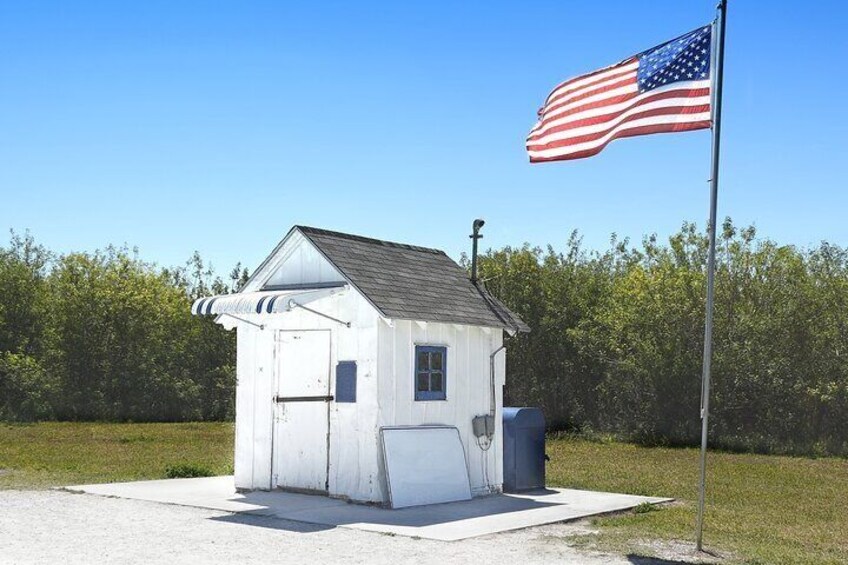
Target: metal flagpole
718 60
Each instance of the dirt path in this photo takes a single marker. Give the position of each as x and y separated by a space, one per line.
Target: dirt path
59 527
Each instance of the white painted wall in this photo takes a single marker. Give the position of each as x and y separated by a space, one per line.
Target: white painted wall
468 388
298 262
384 353
254 409
354 463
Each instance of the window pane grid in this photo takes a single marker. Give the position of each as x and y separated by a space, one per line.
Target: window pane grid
430 369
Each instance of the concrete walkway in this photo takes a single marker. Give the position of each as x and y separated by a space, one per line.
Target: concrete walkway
50 527
446 522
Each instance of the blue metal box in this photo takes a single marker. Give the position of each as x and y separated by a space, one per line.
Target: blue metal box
524 449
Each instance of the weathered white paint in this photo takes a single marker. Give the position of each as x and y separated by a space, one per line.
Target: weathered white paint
468 386
297 261
424 465
384 353
353 462
301 429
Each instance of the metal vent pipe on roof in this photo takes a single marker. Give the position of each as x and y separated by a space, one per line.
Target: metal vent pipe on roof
475 235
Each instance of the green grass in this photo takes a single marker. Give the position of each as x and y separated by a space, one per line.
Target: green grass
62 453
760 508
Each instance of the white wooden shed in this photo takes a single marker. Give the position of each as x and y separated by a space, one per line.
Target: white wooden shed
341 337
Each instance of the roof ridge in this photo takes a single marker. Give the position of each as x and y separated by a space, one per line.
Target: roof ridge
362 239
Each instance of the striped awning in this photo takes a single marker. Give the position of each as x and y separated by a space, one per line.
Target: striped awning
264 302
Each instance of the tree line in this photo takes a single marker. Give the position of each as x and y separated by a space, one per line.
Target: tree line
616 346
618 335
107 336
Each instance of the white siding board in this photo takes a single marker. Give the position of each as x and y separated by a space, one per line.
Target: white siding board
500 381
463 382
243 460
263 415
468 387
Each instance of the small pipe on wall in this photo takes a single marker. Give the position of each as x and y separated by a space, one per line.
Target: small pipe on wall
492 403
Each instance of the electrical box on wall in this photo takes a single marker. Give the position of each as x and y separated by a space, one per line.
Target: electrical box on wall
483 426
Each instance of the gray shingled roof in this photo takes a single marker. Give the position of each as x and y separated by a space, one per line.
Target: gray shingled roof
412 283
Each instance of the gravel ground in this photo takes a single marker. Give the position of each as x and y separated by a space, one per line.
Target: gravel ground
60 527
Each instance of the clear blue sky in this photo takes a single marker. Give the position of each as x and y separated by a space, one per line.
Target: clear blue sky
175 126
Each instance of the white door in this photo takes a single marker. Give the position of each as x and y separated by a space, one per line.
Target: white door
302 410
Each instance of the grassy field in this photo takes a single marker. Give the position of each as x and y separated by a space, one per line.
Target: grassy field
51 454
762 509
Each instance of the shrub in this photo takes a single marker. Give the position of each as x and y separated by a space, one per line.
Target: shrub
25 389
186 471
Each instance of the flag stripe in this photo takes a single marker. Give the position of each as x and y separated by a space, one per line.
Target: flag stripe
642 130
587 93
622 93
591 133
648 125
630 90
664 89
606 79
581 116
597 106
607 113
584 80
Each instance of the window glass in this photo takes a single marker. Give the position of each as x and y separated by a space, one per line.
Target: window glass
423 360
430 372
436 384
436 360
423 382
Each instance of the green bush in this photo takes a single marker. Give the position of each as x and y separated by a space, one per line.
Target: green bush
26 391
186 471
644 508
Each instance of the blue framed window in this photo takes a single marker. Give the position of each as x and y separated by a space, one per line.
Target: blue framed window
431 369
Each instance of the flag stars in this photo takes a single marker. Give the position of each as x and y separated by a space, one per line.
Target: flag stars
684 58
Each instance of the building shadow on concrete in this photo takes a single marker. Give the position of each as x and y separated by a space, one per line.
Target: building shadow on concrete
322 510
272 522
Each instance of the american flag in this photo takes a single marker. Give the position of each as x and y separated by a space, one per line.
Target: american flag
664 89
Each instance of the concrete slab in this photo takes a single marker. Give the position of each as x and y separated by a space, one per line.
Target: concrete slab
447 522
